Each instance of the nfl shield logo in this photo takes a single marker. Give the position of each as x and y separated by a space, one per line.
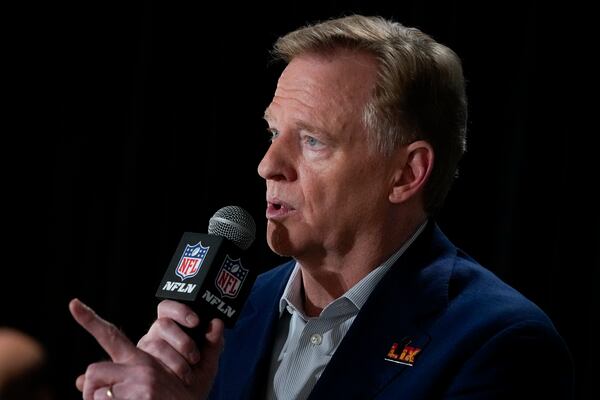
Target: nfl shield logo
191 260
230 277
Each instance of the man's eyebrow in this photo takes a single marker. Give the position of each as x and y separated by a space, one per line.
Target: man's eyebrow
299 124
267 115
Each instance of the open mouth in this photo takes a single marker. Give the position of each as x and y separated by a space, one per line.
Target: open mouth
279 206
277 209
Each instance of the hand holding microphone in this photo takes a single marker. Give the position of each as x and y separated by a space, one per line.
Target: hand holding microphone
208 271
209 280
134 372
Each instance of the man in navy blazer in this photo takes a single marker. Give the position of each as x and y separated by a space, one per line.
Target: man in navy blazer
367 126
475 337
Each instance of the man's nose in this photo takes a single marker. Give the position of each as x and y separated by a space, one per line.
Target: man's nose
278 161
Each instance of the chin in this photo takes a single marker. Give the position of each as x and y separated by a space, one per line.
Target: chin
278 239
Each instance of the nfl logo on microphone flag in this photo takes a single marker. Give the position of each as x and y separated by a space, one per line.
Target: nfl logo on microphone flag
207 272
191 261
230 277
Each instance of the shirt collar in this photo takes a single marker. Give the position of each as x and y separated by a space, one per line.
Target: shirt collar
357 295
292 293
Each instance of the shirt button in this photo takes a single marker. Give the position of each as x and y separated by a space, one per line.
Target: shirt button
316 339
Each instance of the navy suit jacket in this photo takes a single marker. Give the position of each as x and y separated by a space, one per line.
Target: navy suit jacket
474 336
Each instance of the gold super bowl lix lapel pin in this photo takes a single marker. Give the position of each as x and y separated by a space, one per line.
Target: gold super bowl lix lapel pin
402 353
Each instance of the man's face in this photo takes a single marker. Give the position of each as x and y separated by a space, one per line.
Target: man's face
325 189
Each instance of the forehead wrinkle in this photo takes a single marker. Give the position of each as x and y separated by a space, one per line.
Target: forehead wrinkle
335 81
309 107
289 96
302 115
310 93
308 90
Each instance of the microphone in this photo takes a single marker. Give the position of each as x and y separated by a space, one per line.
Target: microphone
208 272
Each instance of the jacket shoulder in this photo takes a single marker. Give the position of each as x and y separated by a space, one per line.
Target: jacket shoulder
476 293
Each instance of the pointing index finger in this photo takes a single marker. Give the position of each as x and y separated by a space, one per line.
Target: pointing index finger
112 340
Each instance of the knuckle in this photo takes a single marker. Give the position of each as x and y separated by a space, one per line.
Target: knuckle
172 309
163 324
160 309
165 307
93 378
151 345
183 344
113 333
92 371
155 347
165 329
181 369
141 344
187 345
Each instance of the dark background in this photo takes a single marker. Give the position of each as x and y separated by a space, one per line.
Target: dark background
132 122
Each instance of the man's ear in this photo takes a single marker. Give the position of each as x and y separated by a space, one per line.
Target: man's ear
412 172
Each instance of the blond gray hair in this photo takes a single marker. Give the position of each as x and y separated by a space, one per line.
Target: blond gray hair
419 94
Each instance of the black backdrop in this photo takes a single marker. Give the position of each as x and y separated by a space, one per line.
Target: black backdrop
135 121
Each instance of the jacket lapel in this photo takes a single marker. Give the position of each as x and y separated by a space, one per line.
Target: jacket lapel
390 331
249 343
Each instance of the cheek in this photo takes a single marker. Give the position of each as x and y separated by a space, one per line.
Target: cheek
360 192
343 190
329 200
317 192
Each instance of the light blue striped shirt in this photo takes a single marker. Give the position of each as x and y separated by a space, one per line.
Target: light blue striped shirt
304 345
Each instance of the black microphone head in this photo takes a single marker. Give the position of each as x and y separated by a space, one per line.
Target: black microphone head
235 224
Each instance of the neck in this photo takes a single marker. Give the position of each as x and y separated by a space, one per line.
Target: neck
329 277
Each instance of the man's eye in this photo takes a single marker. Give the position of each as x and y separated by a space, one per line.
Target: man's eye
311 141
272 134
